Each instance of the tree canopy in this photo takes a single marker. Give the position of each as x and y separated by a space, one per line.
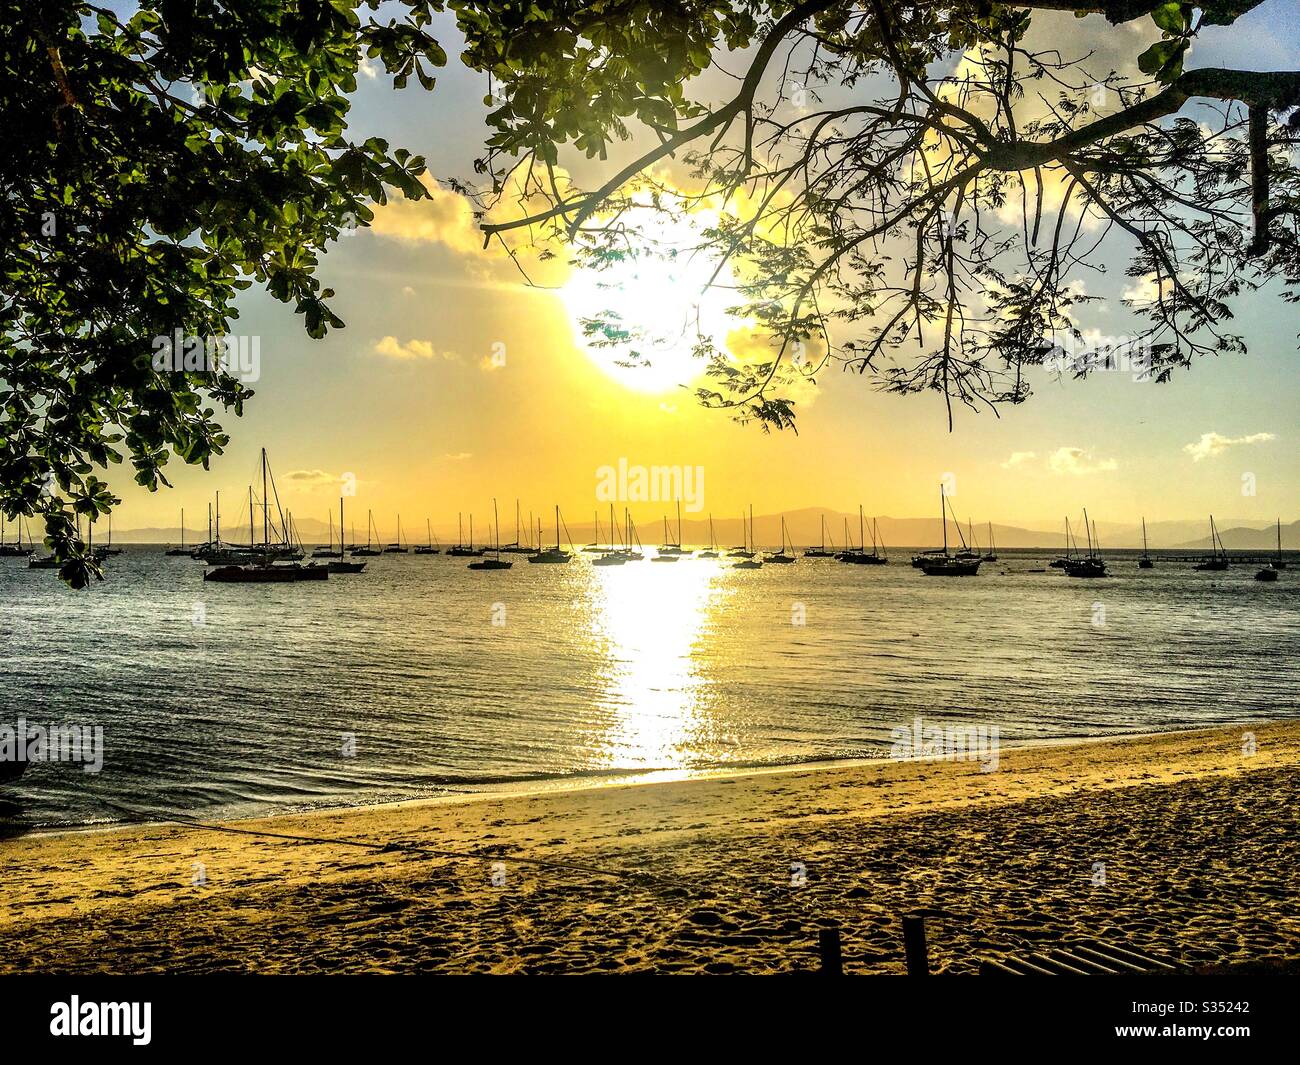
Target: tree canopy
909 191
928 224
154 166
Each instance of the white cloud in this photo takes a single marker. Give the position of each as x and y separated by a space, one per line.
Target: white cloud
1018 458
311 477
1077 461
1213 444
393 348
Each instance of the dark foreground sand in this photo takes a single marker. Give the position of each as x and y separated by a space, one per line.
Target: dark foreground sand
1178 844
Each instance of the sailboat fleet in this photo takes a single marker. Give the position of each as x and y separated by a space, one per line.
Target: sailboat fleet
275 556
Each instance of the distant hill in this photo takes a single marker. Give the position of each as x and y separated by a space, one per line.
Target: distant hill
804 528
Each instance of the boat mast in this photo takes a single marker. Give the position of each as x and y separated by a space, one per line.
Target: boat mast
251 536
266 508
1144 536
943 518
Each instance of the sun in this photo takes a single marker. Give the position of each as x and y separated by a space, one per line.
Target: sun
663 297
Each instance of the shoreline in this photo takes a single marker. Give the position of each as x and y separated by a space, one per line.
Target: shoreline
1197 842
598 781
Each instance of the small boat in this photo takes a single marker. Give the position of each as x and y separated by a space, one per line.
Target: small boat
1270 572
338 565
859 557
943 564
16 549
712 550
782 557
746 554
1145 560
460 549
821 552
1218 558
182 550
552 555
371 549
992 555
670 552
398 546
427 548
42 562
496 561
328 550
1061 561
519 547
745 550
1279 562
1091 564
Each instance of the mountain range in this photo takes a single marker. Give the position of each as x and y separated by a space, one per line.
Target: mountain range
804 529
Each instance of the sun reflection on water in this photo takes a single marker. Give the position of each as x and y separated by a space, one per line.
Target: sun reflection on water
647 620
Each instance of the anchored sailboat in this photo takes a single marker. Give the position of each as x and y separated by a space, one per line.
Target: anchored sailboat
1270 572
496 561
712 550
672 550
553 555
1218 559
1145 561
1091 564
859 557
182 550
16 549
944 564
746 553
427 548
783 556
821 552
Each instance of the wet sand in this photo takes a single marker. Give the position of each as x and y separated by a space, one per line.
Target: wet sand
1180 844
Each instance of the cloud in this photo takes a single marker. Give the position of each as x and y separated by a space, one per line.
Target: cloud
393 348
445 218
1077 462
1018 458
1213 444
311 479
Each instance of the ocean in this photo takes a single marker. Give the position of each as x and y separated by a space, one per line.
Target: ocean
420 678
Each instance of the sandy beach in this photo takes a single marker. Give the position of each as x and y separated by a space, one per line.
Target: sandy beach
1180 844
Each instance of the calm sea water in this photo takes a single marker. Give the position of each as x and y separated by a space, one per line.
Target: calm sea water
422 678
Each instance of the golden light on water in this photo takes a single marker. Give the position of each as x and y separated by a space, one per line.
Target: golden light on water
648 620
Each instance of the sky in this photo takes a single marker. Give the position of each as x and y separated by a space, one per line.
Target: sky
455 383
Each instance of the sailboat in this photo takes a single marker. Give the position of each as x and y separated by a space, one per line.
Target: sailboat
260 564
1061 561
1270 572
820 552
496 561
746 553
16 549
614 554
110 550
328 550
552 555
340 565
783 556
398 546
992 555
1218 559
632 547
1145 561
744 550
671 551
460 549
944 564
1091 564
860 557
427 548
712 550
668 552
182 550
519 547
372 547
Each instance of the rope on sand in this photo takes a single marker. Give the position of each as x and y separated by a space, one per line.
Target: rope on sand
409 848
